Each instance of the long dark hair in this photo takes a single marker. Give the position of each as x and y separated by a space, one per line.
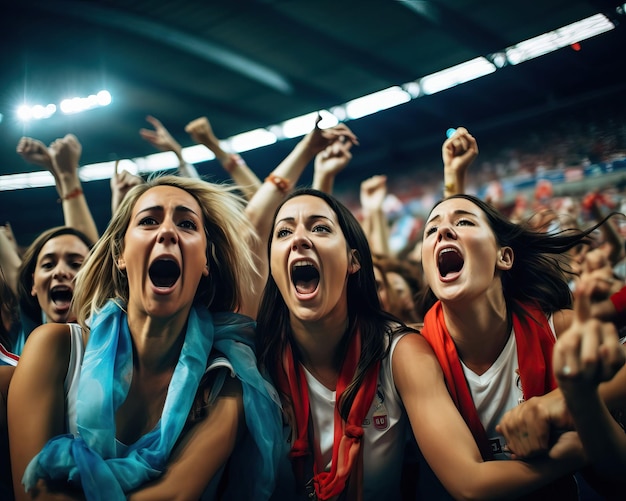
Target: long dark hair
273 330
540 270
8 303
29 306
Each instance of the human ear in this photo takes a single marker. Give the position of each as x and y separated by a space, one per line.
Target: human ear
121 263
505 259
355 264
205 270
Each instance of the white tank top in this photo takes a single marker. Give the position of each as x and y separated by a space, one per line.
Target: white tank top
77 350
385 431
497 390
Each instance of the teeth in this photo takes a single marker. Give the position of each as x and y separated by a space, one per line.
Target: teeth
443 251
302 263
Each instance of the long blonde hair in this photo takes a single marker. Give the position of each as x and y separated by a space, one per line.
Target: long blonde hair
229 241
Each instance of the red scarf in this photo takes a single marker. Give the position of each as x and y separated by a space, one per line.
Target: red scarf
347 454
534 340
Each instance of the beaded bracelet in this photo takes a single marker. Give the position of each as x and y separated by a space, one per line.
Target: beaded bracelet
280 182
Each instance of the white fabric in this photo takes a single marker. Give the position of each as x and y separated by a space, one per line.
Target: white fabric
498 390
385 431
77 350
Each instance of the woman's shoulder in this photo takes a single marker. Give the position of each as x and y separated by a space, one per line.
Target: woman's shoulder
408 336
47 352
49 339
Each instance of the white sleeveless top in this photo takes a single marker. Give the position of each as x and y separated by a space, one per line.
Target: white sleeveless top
498 390
77 351
384 438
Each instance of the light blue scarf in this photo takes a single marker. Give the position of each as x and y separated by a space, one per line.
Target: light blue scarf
91 459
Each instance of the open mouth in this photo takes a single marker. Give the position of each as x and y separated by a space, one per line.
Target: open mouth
164 272
61 295
305 277
449 261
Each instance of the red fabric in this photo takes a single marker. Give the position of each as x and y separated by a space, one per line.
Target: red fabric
347 456
534 340
619 300
6 357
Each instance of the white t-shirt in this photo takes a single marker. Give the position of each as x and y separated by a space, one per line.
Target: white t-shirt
498 390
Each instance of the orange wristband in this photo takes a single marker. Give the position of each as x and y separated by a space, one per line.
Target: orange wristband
280 182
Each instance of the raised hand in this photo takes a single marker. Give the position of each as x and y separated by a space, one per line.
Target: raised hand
588 352
9 237
160 137
34 152
458 152
121 183
201 132
65 153
334 158
598 273
373 193
319 139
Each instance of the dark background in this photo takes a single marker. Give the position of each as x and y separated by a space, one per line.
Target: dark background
174 60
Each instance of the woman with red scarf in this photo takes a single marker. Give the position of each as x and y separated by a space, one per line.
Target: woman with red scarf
352 378
502 299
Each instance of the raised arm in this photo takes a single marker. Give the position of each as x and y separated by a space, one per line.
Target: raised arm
613 241
10 259
330 162
530 427
35 152
61 159
458 153
121 183
201 132
372 195
447 444
587 354
162 140
282 179
65 154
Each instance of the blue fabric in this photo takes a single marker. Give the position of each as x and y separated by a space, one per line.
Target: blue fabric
20 332
91 459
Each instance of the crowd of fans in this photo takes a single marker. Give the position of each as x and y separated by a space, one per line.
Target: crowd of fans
453 338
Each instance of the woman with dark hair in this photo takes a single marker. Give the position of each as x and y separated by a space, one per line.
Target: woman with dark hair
352 377
9 316
320 328
46 279
156 387
9 319
502 298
